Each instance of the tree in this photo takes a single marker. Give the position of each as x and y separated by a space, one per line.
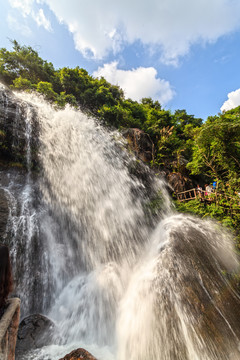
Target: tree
25 62
22 84
45 88
216 151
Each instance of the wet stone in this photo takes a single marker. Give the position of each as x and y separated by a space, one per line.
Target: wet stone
35 331
3 213
79 354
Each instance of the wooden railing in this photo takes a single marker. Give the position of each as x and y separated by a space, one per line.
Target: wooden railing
8 329
190 195
214 196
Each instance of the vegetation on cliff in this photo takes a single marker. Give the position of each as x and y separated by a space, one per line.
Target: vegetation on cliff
171 134
180 143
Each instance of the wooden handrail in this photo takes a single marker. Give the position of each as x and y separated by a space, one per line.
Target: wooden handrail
8 329
196 193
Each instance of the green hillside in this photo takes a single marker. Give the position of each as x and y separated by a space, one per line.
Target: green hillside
199 152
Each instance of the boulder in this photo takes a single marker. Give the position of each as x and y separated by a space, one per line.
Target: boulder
79 354
35 331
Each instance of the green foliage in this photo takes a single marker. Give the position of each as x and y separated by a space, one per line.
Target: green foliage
180 142
3 142
156 204
25 62
2 134
216 149
227 212
115 116
171 135
22 84
45 88
64 99
16 164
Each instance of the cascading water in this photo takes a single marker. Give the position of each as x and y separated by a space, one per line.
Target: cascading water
20 191
98 268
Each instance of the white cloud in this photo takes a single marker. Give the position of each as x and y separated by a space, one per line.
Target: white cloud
99 27
232 102
137 83
41 20
20 27
167 26
25 6
26 9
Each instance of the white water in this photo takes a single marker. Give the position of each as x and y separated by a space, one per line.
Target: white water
117 287
22 224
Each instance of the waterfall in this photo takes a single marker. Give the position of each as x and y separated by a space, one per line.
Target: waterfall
20 190
89 256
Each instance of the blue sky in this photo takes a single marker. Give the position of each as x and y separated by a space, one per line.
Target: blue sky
184 53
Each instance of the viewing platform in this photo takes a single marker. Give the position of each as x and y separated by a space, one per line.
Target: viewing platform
202 196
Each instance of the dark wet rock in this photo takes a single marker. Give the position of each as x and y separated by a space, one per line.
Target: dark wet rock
142 146
140 143
140 171
35 331
3 213
142 174
13 128
14 183
78 354
195 287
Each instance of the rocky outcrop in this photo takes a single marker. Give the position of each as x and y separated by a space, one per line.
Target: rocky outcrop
179 182
140 143
79 354
35 331
17 119
8 329
142 146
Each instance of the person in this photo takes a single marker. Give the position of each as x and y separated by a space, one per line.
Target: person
208 189
214 185
199 190
6 281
